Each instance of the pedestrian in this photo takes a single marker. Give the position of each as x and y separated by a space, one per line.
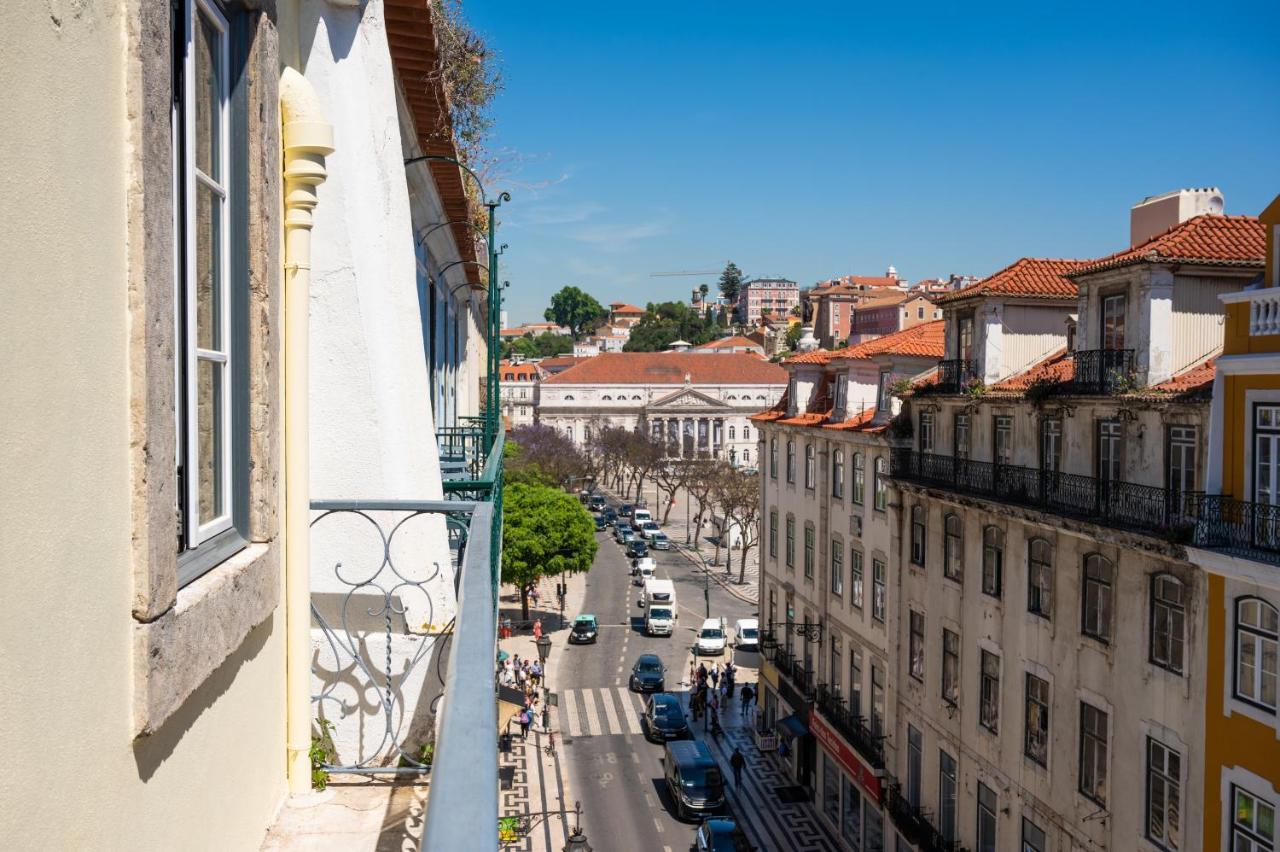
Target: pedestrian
747 695
702 672
536 672
525 719
724 692
715 674
537 629
693 674
715 722
737 761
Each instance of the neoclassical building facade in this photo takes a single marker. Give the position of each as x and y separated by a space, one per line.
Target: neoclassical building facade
700 403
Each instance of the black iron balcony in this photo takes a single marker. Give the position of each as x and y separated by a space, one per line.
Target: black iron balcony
1103 371
912 821
1242 528
853 728
793 669
955 374
1125 505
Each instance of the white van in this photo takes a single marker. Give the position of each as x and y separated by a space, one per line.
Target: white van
659 602
746 634
638 517
711 637
644 570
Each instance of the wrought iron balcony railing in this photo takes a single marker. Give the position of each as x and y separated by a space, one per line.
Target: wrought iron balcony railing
1239 527
1102 371
955 374
912 821
1124 505
793 669
853 728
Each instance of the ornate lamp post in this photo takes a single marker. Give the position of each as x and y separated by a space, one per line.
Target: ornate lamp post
544 651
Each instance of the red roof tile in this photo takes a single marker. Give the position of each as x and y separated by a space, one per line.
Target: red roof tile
624 308
1206 239
926 340
817 356
634 368
861 422
729 343
1197 380
1036 277
1058 367
517 372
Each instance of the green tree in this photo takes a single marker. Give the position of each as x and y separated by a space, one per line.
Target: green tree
730 281
575 310
666 322
793 336
704 289
545 533
545 345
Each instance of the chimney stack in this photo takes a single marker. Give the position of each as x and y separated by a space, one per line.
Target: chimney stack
1156 214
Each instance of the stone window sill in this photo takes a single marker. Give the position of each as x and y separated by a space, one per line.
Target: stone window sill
174 654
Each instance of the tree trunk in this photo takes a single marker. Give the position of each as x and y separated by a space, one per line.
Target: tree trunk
524 603
742 569
715 560
671 502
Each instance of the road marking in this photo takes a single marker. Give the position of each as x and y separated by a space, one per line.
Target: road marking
593 718
629 713
617 681
610 714
571 714
658 825
619 669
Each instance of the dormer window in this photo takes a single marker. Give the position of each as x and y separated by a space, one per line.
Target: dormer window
1113 308
884 397
964 338
842 391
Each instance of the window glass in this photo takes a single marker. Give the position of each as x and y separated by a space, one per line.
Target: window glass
791 461
808 551
882 491
791 542
1257 642
877 590
950 666
884 397
992 560
989 692
962 436
926 431
877 700
1051 444
875 831
1168 622
830 789
1097 598
1253 822
859 479
1113 322
917 535
809 467
947 796
986 818
837 474
837 567
773 533
773 458
1164 795
1002 452
1109 433
916 646
855 683
915 760
1093 753
1040 578
855 577
953 546
1036 735
851 817
1033 837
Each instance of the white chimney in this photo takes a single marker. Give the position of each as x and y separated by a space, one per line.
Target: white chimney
1156 214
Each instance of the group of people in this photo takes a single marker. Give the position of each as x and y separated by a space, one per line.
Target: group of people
711 690
524 675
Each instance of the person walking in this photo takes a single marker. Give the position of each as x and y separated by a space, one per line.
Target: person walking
715 674
537 629
525 719
747 695
737 761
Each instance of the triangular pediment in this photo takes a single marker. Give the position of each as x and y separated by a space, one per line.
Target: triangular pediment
686 399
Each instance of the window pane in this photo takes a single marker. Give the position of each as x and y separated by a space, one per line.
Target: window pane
208 92
209 380
209 273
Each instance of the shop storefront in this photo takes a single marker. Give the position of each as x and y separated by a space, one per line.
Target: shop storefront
850 790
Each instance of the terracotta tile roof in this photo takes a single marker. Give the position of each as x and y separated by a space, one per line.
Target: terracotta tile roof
1058 367
562 361
1036 277
624 308
1207 239
926 340
817 356
728 343
729 368
821 405
1195 381
777 412
885 301
517 372
861 422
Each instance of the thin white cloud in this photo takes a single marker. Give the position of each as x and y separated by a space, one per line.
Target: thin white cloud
616 236
560 214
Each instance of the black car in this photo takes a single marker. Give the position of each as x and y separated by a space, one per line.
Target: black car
596 502
664 719
637 549
600 523
720 834
648 674
610 516
625 511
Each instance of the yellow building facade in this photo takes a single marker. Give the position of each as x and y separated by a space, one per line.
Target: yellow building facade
1239 547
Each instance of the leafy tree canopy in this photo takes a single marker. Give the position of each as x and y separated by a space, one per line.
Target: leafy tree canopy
730 281
575 310
793 336
545 345
541 455
666 322
545 532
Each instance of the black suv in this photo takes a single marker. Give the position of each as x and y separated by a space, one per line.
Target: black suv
664 719
610 516
637 549
648 674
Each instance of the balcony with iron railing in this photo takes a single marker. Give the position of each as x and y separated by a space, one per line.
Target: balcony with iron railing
852 727
1241 528
955 375
1102 371
912 821
1124 505
790 666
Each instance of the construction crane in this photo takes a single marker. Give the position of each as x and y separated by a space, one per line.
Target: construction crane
675 274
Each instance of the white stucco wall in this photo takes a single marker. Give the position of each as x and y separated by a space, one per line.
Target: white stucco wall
212 776
372 431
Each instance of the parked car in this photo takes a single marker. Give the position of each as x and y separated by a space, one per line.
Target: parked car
596 502
585 628
637 549
746 634
648 674
600 524
711 637
610 515
619 529
625 510
693 778
720 834
659 541
664 719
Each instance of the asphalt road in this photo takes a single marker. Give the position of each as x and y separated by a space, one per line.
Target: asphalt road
618 777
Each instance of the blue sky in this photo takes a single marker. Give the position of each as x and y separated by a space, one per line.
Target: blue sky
820 139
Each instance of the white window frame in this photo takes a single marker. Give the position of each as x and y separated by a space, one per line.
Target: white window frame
198 530
1260 637
1160 777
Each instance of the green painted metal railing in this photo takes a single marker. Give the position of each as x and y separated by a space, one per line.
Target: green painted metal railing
476 468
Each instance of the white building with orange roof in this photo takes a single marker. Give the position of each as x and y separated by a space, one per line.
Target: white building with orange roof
518 393
699 403
624 315
828 572
735 343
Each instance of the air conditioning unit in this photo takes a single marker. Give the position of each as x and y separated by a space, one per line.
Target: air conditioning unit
855 525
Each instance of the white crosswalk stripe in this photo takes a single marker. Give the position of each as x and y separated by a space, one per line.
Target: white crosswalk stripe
630 712
593 717
610 714
570 714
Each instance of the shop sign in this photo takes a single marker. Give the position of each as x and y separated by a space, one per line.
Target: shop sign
844 754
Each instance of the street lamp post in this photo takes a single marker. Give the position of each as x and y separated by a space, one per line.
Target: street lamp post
544 651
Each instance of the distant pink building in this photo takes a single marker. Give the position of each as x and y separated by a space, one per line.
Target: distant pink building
773 296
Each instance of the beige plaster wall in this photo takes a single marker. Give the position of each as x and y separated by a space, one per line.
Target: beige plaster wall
212 776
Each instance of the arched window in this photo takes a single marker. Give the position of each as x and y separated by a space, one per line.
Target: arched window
810 466
568 397
837 474
1096 601
917 529
733 433
1257 646
773 458
606 396
746 433
791 461
881 490
953 548
746 456
1040 578
992 561
636 396
1168 622
859 479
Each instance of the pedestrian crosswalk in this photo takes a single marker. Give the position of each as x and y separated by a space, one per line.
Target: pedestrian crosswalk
600 712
